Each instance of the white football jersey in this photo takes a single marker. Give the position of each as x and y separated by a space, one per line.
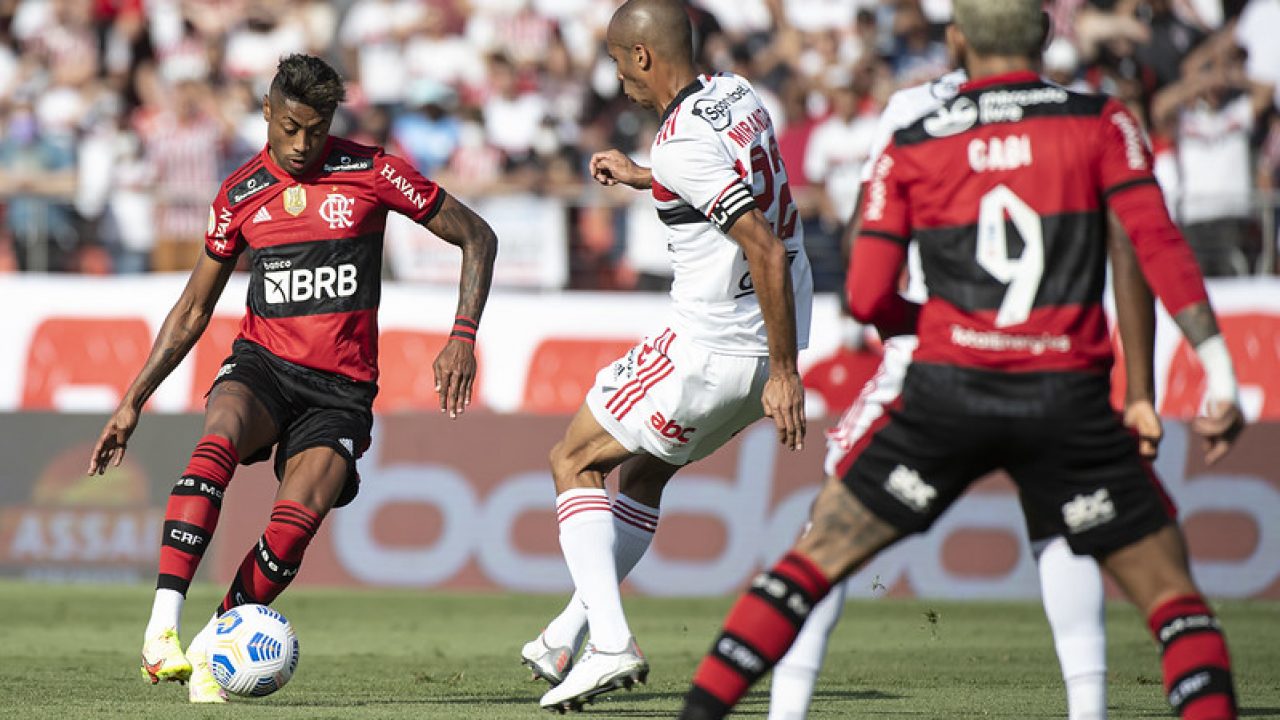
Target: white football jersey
904 108
714 159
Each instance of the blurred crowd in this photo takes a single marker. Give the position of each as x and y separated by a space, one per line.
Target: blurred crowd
119 118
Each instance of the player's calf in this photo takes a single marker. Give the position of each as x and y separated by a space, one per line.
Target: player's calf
1197 667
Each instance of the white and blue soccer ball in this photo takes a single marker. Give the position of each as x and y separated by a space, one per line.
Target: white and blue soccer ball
254 651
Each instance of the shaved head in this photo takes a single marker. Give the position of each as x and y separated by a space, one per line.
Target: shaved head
661 25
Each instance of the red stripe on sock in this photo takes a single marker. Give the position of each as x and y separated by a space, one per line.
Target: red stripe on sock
759 623
802 571
603 508
720 680
630 517
635 509
213 460
287 541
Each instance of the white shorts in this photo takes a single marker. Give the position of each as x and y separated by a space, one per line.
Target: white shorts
676 400
869 410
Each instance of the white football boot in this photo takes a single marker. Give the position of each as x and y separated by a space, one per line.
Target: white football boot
204 687
551 663
597 673
163 659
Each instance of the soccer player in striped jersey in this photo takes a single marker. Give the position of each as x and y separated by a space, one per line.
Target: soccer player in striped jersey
725 357
310 210
1007 188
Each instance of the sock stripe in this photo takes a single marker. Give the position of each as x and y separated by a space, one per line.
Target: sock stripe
1183 626
272 567
1201 683
218 458
309 530
574 505
636 508
219 446
305 521
739 656
783 595
804 574
185 537
166 581
626 516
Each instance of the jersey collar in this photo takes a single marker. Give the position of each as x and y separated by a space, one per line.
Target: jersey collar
1010 78
688 90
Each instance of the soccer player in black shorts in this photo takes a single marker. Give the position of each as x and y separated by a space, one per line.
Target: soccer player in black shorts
310 209
1007 189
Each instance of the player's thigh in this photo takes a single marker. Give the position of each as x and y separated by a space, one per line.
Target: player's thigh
240 408
643 478
912 464
1082 477
587 447
1152 569
316 456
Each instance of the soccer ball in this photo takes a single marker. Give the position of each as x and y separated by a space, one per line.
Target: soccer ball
254 651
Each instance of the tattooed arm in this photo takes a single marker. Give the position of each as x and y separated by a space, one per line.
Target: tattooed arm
182 327
455 367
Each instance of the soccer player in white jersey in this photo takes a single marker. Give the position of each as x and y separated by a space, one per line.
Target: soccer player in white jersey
742 295
1076 617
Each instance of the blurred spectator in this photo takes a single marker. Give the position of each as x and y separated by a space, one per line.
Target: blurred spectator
183 142
373 36
512 115
1211 115
38 172
839 146
427 131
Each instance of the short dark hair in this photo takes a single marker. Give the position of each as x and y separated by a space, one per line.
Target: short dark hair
311 81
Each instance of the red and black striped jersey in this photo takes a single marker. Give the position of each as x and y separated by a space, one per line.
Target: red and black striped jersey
1005 188
315 245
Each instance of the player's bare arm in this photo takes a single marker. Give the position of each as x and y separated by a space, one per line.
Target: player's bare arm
455 366
179 333
1136 317
783 397
612 167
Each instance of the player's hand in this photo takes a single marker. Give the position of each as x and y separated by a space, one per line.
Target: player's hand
1140 416
455 369
109 450
783 400
612 167
1220 425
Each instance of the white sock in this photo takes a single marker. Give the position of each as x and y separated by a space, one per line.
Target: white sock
166 612
587 540
1071 588
797 671
634 525
202 638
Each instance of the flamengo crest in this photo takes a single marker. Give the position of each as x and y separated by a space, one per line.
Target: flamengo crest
337 210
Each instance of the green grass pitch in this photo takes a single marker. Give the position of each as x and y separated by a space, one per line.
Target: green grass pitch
70 652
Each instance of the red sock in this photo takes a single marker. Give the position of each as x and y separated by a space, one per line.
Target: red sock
272 564
192 513
759 630
1197 668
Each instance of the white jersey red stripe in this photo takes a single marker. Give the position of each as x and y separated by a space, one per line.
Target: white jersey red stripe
646 376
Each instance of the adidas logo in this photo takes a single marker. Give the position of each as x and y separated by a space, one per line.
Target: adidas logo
262 215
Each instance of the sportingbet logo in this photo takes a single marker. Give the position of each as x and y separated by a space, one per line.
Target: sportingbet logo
1088 511
906 485
670 429
302 284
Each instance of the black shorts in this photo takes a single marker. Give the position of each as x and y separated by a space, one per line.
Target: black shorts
1076 466
310 409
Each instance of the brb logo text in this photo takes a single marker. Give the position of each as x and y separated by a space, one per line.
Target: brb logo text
302 284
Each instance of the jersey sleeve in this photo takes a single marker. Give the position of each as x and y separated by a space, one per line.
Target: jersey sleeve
1131 192
885 212
399 186
700 170
888 123
222 240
